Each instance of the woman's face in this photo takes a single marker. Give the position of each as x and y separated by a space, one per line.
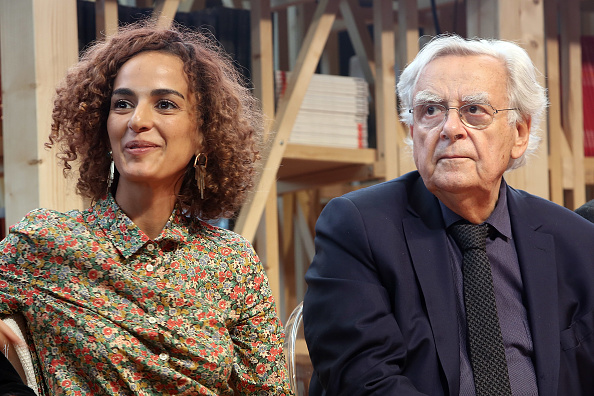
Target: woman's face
151 124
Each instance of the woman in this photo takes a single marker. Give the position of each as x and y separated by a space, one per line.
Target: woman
136 295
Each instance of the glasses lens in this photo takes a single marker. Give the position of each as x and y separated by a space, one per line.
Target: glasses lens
478 116
429 115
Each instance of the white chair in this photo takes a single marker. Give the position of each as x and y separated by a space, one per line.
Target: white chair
296 353
21 360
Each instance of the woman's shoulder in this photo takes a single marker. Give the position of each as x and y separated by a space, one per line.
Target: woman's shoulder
223 236
41 219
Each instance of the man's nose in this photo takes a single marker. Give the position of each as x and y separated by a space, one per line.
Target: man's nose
453 127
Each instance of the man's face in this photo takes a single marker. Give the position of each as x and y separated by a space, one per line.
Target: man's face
452 157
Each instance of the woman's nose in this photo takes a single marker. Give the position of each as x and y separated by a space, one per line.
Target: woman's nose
141 119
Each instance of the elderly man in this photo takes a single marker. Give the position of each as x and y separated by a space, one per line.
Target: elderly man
447 281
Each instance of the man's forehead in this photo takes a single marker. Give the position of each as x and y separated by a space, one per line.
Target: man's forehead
428 96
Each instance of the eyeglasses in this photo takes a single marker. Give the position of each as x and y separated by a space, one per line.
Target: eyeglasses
473 115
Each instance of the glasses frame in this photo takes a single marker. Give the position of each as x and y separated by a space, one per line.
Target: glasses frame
462 120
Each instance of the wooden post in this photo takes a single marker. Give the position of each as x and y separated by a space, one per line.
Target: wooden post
38 41
263 79
106 18
521 21
289 105
385 81
571 95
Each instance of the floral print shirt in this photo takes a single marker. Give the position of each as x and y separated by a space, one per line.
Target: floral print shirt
112 312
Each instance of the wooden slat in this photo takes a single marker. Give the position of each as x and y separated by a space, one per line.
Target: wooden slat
262 76
288 252
556 135
343 174
385 97
360 38
572 115
106 18
408 47
289 105
164 11
523 22
38 41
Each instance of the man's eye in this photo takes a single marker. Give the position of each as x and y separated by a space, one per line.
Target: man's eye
475 109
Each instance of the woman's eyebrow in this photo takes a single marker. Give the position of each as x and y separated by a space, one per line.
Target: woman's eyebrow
166 91
154 92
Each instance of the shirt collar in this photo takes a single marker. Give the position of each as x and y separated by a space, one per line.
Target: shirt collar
499 218
105 215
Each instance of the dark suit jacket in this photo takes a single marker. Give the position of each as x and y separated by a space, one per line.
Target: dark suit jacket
380 310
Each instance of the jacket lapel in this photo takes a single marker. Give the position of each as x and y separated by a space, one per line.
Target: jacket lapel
426 240
539 276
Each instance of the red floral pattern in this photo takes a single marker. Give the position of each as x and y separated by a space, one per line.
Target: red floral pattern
112 312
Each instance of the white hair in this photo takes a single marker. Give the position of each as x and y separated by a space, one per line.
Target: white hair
524 91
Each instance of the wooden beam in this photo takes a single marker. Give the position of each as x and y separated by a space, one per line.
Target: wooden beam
360 38
106 18
555 130
263 79
289 105
408 47
164 12
571 95
385 82
38 41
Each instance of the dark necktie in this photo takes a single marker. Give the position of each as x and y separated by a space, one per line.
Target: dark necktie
487 353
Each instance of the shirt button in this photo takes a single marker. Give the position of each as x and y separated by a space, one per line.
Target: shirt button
164 357
152 320
150 268
150 247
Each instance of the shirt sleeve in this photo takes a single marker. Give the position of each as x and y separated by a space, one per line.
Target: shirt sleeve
258 336
16 261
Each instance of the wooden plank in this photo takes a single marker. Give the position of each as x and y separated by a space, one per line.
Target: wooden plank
277 5
38 41
589 170
198 5
408 47
321 153
385 97
556 135
164 11
343 174
360 39
288 252
571 95
289 105
263 79
523 22
106 17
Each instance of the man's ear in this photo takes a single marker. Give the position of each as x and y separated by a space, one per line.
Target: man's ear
522 136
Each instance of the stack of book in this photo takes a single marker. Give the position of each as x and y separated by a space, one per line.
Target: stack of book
333 113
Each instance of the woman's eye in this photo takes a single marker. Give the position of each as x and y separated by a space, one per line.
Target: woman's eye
166 105
121 104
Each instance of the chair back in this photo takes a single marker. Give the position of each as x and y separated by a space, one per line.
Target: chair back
21 357
298 362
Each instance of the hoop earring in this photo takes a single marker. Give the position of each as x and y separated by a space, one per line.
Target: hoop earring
111 172
200 172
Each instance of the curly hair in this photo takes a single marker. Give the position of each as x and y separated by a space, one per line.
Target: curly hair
228 116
